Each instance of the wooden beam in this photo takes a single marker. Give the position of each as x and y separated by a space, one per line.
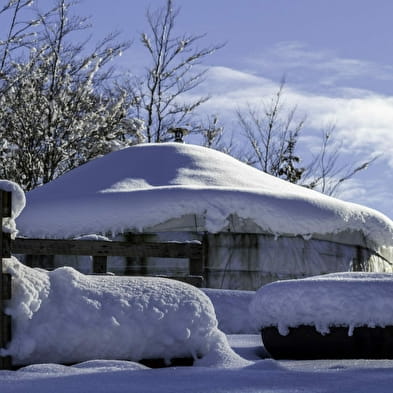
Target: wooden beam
5 293
197 266
5 245
105 248
5 203
99 264
5 279
2 335
5 330
1 224
6 363
196 281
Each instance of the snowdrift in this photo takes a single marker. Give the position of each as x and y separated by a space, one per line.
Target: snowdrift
66 317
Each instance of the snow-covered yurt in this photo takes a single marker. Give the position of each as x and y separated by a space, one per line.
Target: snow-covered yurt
256 228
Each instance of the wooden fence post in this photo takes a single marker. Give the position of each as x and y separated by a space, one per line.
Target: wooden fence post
99 264
5 279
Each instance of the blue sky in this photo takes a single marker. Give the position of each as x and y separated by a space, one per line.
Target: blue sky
337 56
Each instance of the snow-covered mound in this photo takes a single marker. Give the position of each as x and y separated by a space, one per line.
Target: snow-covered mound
338 299
145 186
17 204
65 317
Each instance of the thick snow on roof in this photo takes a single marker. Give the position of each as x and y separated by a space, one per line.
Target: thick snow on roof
64 316
146 185
337 299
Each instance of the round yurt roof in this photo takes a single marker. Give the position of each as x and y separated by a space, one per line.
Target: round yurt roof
179 187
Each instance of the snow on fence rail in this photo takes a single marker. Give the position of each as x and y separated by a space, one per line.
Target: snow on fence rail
5 279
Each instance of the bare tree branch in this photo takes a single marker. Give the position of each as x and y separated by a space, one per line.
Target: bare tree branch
272 133
325 173
171 74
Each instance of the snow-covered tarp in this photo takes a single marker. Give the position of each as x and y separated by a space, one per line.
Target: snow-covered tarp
339 299
150 186
64 316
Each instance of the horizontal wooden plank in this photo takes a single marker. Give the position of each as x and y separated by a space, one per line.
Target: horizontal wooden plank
5 203
196 281
105 248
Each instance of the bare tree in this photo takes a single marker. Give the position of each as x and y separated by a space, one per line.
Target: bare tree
272 133
214 136
212 131
159 95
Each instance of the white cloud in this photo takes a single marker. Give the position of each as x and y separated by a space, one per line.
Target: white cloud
370 189
321 68
364 120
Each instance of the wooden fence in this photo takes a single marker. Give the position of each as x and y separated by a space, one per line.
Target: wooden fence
101 249
98 249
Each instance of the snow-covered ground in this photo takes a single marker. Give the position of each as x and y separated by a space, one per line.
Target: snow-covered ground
263 375
66 316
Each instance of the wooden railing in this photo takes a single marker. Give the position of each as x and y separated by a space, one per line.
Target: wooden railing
101 249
